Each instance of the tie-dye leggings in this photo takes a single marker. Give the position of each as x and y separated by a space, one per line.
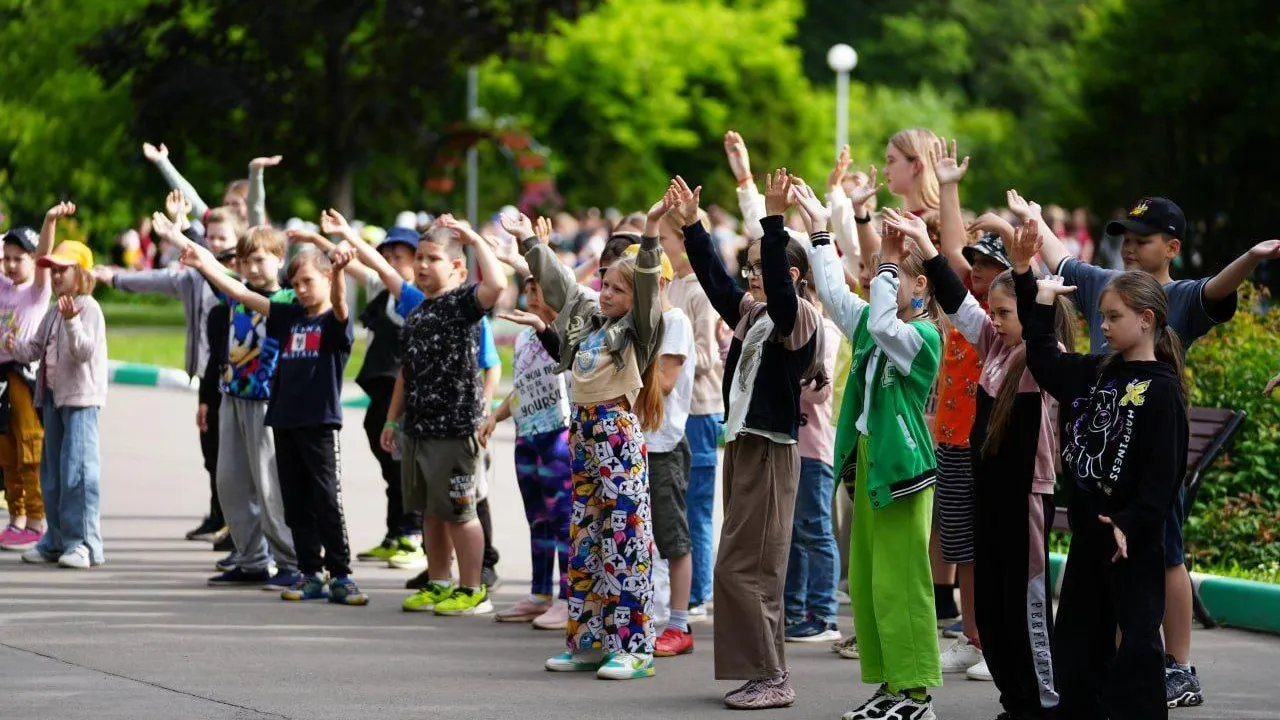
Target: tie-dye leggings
543 473
610 533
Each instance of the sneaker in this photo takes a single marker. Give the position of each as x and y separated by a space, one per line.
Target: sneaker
843 598
489 578
421 581
813 631
408 556
877 706
626 666
230 561
909 709
960 656
19 539
581 661
954 630
698 613
761 694
555 618
949 620
1181 686
209 530
979 672
309 587
35 557
239 577
425 600
382 552
673 642
77 558
224 544
527 610
846 648
465 601
284 580
343 591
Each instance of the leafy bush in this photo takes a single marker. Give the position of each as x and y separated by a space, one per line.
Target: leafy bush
1240 530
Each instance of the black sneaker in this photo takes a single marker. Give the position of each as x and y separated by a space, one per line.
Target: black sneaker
1181 686
208 530
224 544
418 582
489 577
237 577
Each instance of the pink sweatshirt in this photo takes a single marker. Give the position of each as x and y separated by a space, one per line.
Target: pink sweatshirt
817 437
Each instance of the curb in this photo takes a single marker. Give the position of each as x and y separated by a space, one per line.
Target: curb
1238 603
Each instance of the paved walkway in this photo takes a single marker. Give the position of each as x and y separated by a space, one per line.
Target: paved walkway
143 637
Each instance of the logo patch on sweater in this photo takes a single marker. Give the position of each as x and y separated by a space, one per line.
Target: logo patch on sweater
1135 393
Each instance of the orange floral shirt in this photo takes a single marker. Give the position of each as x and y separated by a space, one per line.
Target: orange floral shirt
957 390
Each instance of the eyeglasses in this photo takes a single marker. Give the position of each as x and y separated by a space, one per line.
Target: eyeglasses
751 270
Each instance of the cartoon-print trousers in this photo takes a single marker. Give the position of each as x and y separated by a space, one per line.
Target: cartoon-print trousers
610 533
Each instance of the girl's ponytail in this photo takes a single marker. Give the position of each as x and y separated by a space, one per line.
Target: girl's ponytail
649 402
1169 350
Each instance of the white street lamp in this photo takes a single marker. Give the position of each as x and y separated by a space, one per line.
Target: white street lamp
842 59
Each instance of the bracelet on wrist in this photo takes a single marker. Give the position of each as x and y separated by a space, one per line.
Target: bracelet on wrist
745 180
862 220
393 424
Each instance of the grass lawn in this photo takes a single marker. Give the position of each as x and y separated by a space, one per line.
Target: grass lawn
164 346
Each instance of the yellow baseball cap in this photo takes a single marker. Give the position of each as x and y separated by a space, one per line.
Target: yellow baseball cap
68 253
668 272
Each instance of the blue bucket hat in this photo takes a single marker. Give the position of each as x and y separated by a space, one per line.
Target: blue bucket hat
401 235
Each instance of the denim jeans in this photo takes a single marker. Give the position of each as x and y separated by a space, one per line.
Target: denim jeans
703 433
814 562
70 470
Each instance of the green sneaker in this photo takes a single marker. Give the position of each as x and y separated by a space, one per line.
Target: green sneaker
581 661
425 600
342 591
409 555
383 551
465 601
626 666
312 587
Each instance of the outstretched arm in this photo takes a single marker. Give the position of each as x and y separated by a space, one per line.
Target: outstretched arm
1228 280
201 259
494 277
950 173
332 223
722 292
257 201
160 157
48 231
1052 250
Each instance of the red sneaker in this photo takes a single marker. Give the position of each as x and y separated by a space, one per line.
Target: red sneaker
673 642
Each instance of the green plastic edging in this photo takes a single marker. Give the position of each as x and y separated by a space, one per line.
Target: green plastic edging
145 375
1057 561
360 402
1242 603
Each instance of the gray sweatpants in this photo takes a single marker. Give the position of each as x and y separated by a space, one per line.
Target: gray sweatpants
249 488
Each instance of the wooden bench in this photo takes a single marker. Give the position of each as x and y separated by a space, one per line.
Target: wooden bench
1211 430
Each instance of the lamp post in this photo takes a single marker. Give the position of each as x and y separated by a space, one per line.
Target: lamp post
842 59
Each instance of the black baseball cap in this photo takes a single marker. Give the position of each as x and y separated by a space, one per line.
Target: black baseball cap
989 245
23 236
1150 216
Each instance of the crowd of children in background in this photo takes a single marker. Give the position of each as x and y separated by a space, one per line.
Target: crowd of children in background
903 378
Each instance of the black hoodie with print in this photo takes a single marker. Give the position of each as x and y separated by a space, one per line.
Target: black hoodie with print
1124 424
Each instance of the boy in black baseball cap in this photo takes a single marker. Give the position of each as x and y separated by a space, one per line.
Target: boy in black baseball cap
1153 230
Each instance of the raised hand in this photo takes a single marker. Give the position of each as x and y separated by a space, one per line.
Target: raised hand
948 170
892 245
192 257
103 274
656 212
543 229
840 170
739 161
813 210
1265 250
1020 206
265 162
306 237
153 153
462 230
163 226
524 317
1025 246
332 223
67 306
777 192
860 195
516 225
910 226
340 257
177 205
992 223
684 201
61 210
1122 543
1049 287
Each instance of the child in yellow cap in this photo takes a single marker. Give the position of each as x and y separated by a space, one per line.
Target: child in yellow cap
71 345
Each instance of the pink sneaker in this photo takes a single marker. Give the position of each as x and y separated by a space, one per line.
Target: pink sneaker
524 611
555 618
19 540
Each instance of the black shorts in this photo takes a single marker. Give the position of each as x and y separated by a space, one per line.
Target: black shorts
668 483
955 504
1175 552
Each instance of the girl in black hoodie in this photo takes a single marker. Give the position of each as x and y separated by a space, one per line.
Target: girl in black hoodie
1124 450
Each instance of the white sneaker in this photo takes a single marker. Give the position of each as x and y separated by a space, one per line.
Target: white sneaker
583 661
626 666
979 672
698 613
908 709
847 648
35 557
77 558
960 656
877 706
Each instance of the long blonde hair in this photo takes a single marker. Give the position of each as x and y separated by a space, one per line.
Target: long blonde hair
649 402
917 144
